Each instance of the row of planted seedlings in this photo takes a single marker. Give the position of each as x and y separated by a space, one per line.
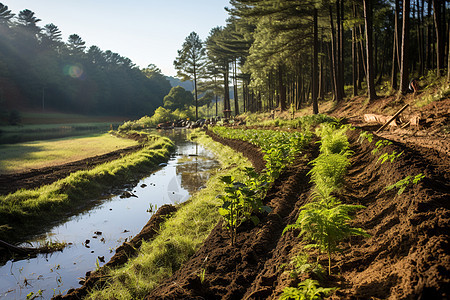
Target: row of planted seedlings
325 220
243 200
385 156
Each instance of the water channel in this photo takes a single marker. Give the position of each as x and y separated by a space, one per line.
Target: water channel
108 225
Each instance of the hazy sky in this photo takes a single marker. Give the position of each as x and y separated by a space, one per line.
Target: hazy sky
145 31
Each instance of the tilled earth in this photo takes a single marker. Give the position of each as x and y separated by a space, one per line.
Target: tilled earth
406 256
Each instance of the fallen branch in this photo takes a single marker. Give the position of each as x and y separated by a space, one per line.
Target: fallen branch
393 118
15 249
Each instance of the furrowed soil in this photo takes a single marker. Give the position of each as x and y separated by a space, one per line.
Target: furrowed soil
10 183
406 256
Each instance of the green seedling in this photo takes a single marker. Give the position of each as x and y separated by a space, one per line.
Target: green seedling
239 205
402 184
365 135
391 157
300 265
306 290
325 226
380 145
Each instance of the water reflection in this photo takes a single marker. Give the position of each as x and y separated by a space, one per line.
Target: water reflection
108 225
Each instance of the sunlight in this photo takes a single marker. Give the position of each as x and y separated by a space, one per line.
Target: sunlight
74 71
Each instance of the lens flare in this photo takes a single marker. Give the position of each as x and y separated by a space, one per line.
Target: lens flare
74 71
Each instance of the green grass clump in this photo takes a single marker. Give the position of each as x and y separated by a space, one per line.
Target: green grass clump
39 154
304 123
25 209
179 237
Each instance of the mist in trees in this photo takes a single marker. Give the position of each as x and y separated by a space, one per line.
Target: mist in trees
52 74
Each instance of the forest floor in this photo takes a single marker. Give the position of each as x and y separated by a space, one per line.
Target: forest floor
406 256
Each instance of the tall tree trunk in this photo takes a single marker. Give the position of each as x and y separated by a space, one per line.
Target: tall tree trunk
397 32
281 89
363 51
448 58
226 100
339 49
354 55
404 73
369 31
196 94
420 38
334 58
430 40
315 77
321 74
439 39
394 72
235 89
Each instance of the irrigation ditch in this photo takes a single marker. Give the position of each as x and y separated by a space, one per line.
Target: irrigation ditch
98 227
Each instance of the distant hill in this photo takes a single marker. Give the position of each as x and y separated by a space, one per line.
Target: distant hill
187 85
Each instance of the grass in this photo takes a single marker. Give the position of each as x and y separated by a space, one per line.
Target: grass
179 238
28 210
39 154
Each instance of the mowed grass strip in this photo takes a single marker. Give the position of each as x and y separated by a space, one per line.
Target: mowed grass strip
15 158
25 211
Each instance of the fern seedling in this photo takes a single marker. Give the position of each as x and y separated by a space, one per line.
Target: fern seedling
325 226
306 290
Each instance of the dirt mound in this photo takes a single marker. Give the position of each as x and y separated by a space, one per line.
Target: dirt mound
123 253
406 256
10 183
432 131
251 152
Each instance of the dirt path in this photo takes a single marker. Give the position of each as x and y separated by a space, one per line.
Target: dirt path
10 183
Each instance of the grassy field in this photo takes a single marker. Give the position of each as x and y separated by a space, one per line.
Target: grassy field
41 126
26 211
33 155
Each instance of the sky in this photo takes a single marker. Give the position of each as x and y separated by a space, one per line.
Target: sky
145 31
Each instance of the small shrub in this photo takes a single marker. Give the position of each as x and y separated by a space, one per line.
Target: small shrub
305 290
325 226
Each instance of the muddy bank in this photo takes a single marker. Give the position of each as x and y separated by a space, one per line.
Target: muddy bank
251 152
406 256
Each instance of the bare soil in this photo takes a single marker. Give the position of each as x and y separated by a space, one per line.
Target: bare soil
407 255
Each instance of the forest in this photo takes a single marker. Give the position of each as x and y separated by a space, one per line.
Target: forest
39 71
271 54
283 54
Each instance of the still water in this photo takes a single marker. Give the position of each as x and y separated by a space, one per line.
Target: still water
107 225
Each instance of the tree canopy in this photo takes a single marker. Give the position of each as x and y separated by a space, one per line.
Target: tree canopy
40 71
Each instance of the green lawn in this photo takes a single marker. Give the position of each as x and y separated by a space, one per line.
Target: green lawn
38 154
